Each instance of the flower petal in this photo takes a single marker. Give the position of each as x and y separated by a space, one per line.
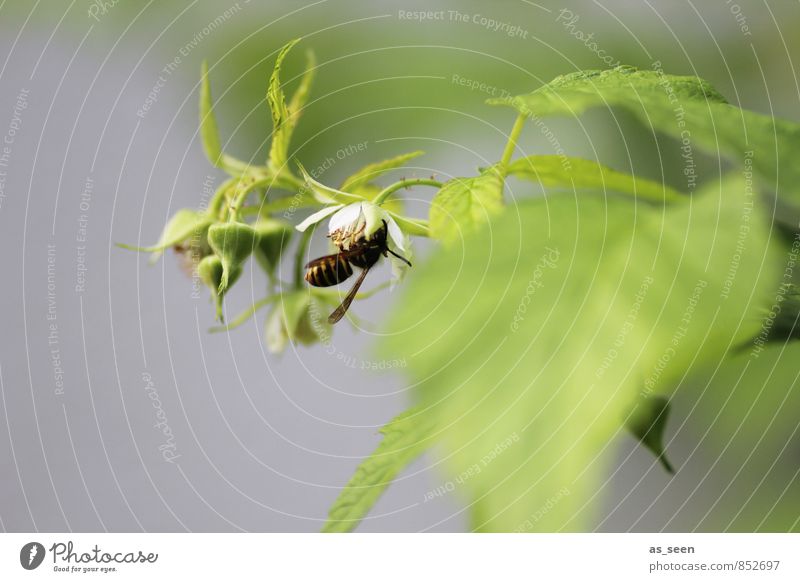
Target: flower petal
374 216
395 234
318 216
399 268
345 218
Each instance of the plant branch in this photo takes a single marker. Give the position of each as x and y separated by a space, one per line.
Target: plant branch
299 262
404 183
512 141
245 315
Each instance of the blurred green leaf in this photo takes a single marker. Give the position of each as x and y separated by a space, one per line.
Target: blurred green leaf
404 439
647 422
572 173
686 108
464 203
626 86
568 302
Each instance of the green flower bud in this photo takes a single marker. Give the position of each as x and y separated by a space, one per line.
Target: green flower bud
232 242
185 230
314 327
210 270
273 238
296 318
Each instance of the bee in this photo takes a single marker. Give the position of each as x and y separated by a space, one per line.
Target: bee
354 251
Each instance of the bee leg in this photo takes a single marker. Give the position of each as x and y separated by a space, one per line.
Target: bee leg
339 312
405 260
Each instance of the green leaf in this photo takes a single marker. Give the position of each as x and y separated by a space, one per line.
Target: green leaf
371 171
404 438
531 340
462 204
284 119
785 324
301 94
572 173
574 93
209 132
208 121
686 108
647 422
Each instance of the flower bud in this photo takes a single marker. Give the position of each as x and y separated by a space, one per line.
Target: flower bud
185 230
273 238
232 242
210 270
296 318
183 226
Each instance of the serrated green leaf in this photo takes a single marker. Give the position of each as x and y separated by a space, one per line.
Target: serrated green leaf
686 108
371 171
283 121
647 422
462 204
572 173
537 349
626 86
404 438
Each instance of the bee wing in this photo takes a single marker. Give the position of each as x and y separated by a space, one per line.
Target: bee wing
342 309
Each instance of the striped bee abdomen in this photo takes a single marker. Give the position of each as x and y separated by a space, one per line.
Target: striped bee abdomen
328 270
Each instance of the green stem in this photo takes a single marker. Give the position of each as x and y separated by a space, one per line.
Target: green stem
512 141
337 294
285 203
404 183
245 315
285 181
299 261
220 196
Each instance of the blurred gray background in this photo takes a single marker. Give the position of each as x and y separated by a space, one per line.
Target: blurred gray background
92 335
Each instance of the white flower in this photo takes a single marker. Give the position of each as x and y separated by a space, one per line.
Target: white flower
366 218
